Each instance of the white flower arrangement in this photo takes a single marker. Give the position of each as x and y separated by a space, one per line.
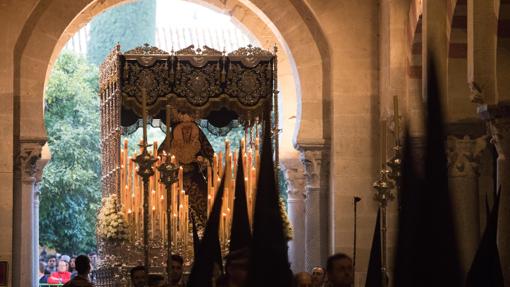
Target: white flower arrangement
110 221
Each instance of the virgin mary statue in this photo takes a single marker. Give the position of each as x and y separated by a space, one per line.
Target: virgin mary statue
194 153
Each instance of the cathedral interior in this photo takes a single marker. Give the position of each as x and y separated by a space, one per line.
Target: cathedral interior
352 80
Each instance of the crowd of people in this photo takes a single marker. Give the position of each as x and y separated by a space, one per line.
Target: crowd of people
61 269
338 273
76 272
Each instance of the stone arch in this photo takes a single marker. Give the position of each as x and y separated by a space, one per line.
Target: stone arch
503 52
414 68
51 23
298 33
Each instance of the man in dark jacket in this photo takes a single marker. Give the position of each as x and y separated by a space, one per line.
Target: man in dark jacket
83 268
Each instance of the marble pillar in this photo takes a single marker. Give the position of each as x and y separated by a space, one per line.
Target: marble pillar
316 162
30 153
463 167
295 177
498 117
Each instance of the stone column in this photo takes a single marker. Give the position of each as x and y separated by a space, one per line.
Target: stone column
463 168
500 130
35 227
30 153
498 117
316 162
295 176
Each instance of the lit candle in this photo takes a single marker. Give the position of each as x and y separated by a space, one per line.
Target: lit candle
130 231
122 179
220 164
181 178
153 219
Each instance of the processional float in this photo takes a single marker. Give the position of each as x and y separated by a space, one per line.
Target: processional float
148 197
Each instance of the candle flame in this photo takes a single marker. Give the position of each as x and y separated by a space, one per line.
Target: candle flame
182 191
162 197
153 191
129 211
153 208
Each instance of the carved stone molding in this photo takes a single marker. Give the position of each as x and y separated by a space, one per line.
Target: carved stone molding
314 160
30 153
295 177
464 155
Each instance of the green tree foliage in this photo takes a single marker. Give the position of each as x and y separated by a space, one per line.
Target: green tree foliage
130 24
70 188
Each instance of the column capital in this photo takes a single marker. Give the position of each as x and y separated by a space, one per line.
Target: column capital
29 155
464 155
313 159
294 173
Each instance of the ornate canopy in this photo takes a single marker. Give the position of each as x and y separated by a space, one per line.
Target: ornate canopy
205 83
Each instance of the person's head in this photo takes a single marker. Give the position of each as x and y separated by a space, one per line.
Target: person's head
156 280
303 279
42 267
138 278
52 261
318 276
93 259
340 271
72 263
62 266
66 258
236 266
82 263
177 263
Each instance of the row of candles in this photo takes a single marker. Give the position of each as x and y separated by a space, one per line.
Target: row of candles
223 164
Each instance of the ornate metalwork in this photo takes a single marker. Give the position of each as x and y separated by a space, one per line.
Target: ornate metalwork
198 80
197 85
141 83
147 49
191 51
250 56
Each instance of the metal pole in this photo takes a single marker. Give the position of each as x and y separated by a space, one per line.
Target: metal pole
356 200
383 246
